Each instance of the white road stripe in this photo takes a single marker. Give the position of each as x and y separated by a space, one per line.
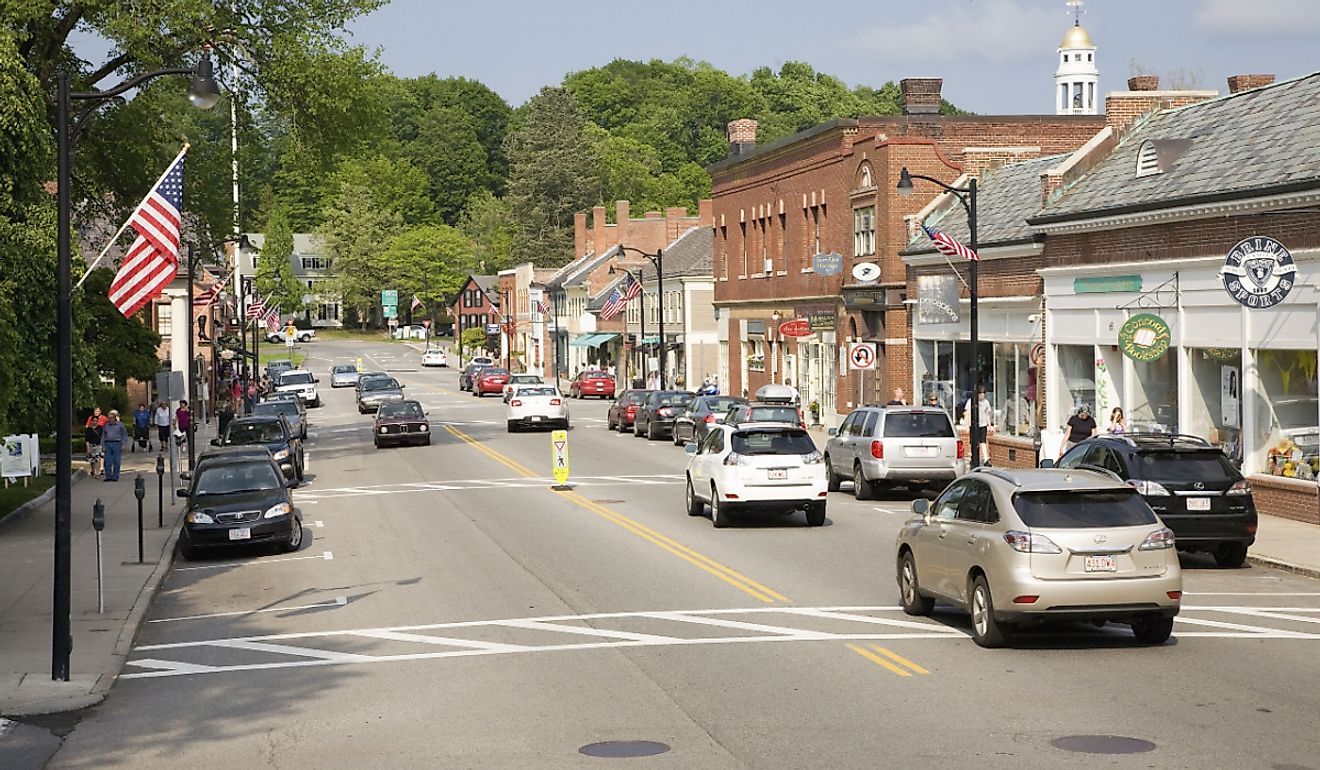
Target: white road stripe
400 636
1241 627
867 619
540 625
326 555
172 667
302 652
339 601
738 624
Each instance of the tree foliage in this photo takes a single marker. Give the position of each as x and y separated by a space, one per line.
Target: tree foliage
275 281
121 348
487 221
431 263
356 227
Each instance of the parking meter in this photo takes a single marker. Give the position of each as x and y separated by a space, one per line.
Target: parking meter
98 524
140 492
98 515
160 490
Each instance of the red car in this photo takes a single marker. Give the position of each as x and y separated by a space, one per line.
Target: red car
593 383
490 380
623 411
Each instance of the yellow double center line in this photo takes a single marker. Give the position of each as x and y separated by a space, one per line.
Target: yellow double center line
701 561
890 661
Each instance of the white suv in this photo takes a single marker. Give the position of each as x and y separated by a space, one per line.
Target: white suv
764 466
301 383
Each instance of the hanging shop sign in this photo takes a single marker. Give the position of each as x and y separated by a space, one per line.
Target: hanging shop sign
827 264
795 327
821 321
866 272
1144 337
1258 272
937 299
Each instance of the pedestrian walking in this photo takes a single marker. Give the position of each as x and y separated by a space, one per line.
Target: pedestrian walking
899 399
92 442
1081 426
141 428
250 398
162 422
984 416
183 419
113 437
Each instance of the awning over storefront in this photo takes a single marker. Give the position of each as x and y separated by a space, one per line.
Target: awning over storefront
592 340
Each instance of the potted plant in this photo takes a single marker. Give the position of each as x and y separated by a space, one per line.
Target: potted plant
814 408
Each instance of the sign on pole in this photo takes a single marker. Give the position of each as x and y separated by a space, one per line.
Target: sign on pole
861 356
559 456
389 297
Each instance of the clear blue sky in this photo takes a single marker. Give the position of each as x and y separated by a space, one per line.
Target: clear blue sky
996 56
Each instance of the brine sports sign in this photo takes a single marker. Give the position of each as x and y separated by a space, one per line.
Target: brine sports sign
1258 272
1145 337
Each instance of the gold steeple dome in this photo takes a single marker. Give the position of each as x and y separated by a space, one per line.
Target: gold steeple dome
1077 37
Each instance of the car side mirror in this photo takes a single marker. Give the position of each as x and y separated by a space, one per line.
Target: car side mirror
690 448
921 506
185 475
832 432
1047 463
215 442
181 492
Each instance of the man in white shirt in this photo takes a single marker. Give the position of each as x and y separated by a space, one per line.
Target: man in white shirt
985 415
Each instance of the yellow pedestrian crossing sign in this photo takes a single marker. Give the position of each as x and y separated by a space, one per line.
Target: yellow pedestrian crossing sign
559 456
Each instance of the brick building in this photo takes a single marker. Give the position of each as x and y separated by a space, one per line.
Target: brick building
794 218
476 305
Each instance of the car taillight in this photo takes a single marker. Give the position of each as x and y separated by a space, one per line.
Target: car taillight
1242 487
736 459
1025 542
632 409
710 418
555 402
664 411
878 450
962 450
515 402
1025 599
1158 540
1150 488
1174 594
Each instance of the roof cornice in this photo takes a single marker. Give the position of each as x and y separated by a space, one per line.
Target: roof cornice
1214 205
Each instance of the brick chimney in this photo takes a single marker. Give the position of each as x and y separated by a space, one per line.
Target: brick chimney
742 136
1238 83
622 214
598 242
1144 83
579 234
921 96
706 212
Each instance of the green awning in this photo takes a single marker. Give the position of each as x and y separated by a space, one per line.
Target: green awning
592 340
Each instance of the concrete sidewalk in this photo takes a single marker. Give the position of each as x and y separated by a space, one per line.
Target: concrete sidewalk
1284 544
101 641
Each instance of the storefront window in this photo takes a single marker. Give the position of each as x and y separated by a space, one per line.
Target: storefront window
1215 408
1287 426
1013 392
1155 396
1076 381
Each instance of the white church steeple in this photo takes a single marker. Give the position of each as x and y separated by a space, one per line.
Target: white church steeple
1077 79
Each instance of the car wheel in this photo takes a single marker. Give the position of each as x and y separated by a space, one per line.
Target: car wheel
295 537
637 429
1231 555
426 441
678 440
910 597
609 424
719 512
513 426
1152 629
187 551
651 435
317 403
816 514
861 487
832 480
376 441
986 631
694 506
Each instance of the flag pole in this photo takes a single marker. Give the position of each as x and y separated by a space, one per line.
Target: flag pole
124 226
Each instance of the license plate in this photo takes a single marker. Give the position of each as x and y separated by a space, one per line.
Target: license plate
1198 503
536 418
777 474
1101 564
920 451
244 533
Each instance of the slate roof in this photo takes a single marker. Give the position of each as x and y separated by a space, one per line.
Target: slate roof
692 253
1005 197
1242 144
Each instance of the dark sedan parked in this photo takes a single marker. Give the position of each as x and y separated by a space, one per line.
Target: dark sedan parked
655 417
624 409
292 408
401 422
238 497
702 412
271 431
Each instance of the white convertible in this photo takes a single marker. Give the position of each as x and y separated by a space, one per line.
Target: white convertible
764 467
537 405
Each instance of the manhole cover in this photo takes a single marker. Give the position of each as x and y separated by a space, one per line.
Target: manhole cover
623 749
608 502
1102 744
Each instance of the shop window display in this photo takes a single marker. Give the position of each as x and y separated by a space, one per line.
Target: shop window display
1014 390
1076 381
1155 395
1287 425
1215 408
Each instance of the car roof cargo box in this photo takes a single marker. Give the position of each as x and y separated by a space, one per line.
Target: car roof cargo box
776 394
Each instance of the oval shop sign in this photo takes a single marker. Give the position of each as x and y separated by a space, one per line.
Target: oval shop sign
1144 337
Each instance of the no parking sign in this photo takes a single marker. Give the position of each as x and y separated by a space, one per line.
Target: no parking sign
861 356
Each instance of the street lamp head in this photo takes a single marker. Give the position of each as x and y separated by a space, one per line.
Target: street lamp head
775 316
203 91
904 182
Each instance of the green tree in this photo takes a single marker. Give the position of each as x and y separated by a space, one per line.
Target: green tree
121 348
487 222
395 183
449 151
275 281
355 230
554 171
430 262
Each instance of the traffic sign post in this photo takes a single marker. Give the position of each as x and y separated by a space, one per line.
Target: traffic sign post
861 356
559 458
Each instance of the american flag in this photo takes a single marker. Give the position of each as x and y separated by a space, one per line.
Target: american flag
207 297
416 303
542 308
256 307
272 318
948 246
619 298
153 259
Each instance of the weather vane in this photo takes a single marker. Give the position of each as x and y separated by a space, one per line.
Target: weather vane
1077 11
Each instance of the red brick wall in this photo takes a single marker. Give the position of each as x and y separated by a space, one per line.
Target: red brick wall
1286 498
1179 240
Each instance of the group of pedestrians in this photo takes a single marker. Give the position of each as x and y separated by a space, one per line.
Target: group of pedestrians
105 435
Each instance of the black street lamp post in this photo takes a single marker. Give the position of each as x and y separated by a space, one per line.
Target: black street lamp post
966 196
203 93
657 260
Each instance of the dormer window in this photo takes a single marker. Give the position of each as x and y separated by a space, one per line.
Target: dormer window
1148 160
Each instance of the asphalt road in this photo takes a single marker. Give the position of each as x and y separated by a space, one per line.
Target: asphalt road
450 610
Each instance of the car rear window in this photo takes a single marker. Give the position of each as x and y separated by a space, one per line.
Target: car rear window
634 397
1083 509
1184 466
494 372
598 375
535 391
721 405
918 425
671 399
773 414
773 442
278 406
345 368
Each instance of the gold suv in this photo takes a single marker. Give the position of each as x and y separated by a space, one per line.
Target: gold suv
1016 548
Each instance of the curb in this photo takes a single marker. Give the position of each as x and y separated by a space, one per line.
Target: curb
38 501
1285 566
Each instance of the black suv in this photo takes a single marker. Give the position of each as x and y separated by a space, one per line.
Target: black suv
1188 482
271 431
237 497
